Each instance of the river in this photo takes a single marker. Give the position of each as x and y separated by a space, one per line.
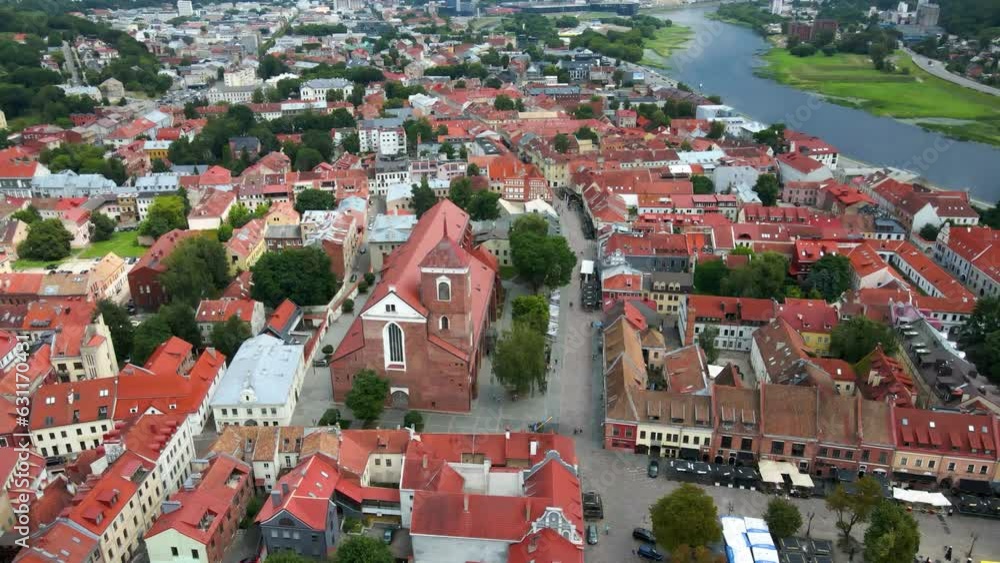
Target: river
721 59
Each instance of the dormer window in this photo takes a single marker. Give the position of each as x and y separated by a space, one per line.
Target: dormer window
444 289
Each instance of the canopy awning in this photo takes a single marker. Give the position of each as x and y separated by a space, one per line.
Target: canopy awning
587 267
801 480
769 472
920 497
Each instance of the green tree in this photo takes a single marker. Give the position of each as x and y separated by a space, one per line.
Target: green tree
119 326
351 143
460 191
148 335
415 420
702 184
159 166
347 306
767 189
687 516
532 310
314 200
583 111
367 396
484 206
181 319
319 140
856 337
716 130
423 197
503 103
586 133
228 336
47 240
165 214
700 554
519 360
783 518
929 232
300 274
27 215
363 549
773 136
707 342
764 277
287 556
102 227
980 337
853 508
893 535
561 143
542 260
224 233
708 277
831 276
307 158
197 269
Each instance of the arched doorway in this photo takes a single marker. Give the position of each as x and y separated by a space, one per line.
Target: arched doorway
250 423
400 399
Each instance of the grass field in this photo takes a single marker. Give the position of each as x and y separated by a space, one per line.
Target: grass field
667 40
123 244
909 94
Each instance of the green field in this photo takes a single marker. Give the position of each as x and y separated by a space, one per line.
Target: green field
908 94
123 244
667 40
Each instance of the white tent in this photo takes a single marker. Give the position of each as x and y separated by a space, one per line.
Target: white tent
920 497
587 268
801 479
770 471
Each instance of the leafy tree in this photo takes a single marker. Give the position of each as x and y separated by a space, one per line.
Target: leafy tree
414 419
700 554
929 232
586 133
314 200
319 140
484 206
347 306
447 149
980 337
764 277
519 360
460 191
855 338
228 336
307 158
240 215
159 166
831 276
561 143
767 189
472 169
503 103
183 324
893 535
102 227
351 143
369 278
224 233
783 518
702 184
716 130
687 516
708 277
362 286
46 240
165 214
83 159
287 556
532 310
423 197
542 260
300 274
773 136
852 508
119 325
583 111
148 335
271 66
197 269
707 342
27 215
367 396
363 549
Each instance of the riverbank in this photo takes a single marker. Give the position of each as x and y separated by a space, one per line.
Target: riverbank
663 44
910 94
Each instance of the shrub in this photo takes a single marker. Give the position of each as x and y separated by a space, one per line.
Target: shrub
803 50
347 306
362 286
327 350
330 417
414 419
370 278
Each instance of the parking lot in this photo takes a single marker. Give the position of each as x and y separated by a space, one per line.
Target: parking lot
628 492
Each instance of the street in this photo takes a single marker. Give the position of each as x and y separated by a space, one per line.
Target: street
937 68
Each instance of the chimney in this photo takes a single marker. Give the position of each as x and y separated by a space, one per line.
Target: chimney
423 462
284 489
533 445
465 502
507 433
275 498
171 506
527 512
69 397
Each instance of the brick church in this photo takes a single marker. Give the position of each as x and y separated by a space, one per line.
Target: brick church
424 326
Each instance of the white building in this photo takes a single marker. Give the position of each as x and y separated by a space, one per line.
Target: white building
262 384
384 138
243 76
233 95
185 9
318 88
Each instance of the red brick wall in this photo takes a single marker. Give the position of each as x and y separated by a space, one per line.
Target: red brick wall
809 452
139 279
618 436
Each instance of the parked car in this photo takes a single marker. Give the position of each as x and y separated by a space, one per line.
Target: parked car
644 535
593 507
649 552
321 363
654 469
387 535
592 534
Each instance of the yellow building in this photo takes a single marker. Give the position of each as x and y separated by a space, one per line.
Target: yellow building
667 289
814 319
246 246
156 149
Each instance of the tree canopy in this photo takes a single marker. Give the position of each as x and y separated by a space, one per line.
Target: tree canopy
783 518
165 214
532 310
540 259
148 335
119 325
314 200
852 508
84 159
228 336
102 227
708 276
47 240
423 197
893 535
363 549
687 516
767 189
367 396
830 276
856 337
197 269
300 274
519 360
980 337
702 184
765 277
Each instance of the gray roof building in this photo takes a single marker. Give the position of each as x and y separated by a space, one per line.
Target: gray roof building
265 371
392 229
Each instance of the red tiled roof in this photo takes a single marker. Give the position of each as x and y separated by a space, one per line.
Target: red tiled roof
948 433
156 255
737 308
800 162
219 310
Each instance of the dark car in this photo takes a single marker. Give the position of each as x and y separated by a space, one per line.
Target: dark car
592 534
649 552
654 469
644 535
387 535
